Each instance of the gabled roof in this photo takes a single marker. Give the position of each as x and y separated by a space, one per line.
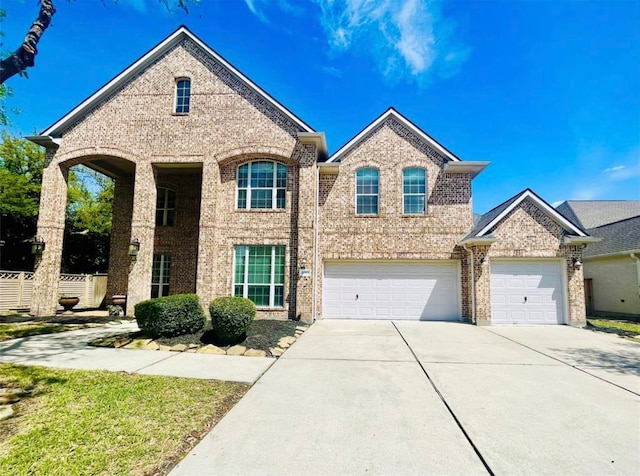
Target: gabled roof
596 213
182 32
391 112
492 217
620 237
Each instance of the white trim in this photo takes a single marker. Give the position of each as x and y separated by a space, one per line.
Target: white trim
425 194
274 189
175 97
147 59
405 122
550 211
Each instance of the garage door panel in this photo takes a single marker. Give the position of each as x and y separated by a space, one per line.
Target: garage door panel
526 292
391 290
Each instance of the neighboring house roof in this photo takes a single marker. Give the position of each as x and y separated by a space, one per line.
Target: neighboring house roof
595 213
391 112
164 46
620 237
490 219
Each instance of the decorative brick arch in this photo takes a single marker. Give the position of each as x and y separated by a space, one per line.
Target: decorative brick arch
86 154
256 151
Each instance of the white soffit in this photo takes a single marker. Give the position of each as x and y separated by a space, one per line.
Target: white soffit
146 60
405 122
543 205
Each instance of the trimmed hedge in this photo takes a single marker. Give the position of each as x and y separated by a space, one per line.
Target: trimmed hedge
231 317
170 316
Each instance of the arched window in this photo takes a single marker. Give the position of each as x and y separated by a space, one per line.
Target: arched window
367 191
262 185
165 207
414 191
183 95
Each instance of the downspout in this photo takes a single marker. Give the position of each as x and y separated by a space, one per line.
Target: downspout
473 284
315 246
633 255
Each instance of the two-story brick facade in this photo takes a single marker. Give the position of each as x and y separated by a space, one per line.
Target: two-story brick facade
220 190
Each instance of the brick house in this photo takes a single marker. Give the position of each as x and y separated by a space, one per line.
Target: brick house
221 190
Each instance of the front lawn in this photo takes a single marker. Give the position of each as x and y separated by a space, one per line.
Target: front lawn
81 422
623 328
25 329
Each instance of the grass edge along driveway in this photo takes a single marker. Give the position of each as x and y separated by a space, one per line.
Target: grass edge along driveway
98 422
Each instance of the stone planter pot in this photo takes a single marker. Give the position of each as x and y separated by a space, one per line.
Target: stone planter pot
119 300
68 302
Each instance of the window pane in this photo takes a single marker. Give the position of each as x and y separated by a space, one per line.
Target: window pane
414 204
259 295
279 296
159 217
261 198
367 205
414 181
154 290
280 198
169 221
243 174
281 181
237 291
262 174
161 197
242 199
171 198
183 95
240 263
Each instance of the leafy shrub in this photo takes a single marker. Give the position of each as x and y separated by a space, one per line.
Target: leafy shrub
170 316
231 317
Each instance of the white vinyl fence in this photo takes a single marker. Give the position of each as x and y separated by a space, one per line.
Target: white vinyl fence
16 289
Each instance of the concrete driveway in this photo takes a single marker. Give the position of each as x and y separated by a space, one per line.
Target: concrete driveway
380 397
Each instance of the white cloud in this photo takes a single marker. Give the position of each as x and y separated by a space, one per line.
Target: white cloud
408 39
614 169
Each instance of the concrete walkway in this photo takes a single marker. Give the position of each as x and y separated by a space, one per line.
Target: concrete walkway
358 397
70 350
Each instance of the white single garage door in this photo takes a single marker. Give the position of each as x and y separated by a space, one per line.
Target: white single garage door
391 290
526 292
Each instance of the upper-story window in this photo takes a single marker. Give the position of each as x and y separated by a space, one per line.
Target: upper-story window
414 191
183 95
367 191
165 207
262 185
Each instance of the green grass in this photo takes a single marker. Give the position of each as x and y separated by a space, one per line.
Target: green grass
624 328
14 331
81 422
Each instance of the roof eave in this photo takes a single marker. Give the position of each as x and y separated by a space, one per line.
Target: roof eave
317 139
478 240
46 141
470 167
579 240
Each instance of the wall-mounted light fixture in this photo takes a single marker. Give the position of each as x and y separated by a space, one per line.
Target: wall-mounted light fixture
576 262
37 246
134 247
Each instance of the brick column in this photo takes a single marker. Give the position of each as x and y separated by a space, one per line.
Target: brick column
53 204
482 276
120 237
206 240
142 228
575 287
307 193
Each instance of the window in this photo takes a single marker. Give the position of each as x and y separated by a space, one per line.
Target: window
414 191
367 192
262 185
160 274
259 274
165 207
183 96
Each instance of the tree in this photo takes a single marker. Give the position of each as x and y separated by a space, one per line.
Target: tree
88 217
24 57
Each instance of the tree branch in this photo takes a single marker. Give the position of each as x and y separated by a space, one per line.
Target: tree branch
24 57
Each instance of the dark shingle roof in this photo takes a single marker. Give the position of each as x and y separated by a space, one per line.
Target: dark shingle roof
596 213
616 237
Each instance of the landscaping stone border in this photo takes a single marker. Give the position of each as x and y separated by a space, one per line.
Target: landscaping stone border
123 341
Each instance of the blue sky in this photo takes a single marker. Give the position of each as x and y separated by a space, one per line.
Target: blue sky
549 92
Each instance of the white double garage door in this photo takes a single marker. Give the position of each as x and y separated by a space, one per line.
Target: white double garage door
527 292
